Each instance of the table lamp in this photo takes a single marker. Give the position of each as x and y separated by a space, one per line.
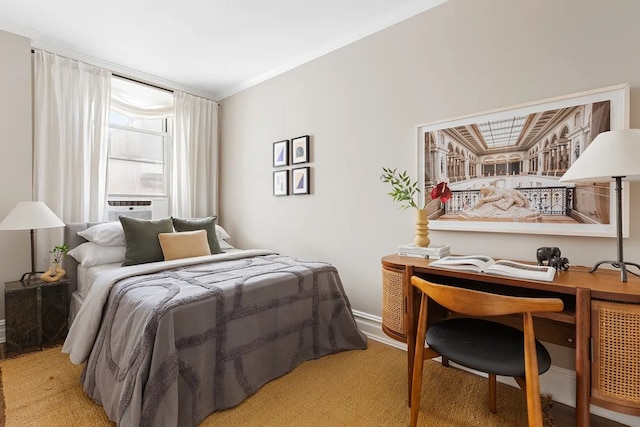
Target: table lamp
612 156
30 216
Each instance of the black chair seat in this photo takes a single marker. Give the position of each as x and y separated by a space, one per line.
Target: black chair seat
484 346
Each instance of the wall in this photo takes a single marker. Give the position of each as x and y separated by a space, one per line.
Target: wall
361 105
15 146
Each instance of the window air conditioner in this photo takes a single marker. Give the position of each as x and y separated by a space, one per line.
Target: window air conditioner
134 208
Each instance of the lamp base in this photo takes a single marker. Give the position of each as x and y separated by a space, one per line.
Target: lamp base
31 278
622 265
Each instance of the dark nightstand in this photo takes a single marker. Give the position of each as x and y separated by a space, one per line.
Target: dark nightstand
36 315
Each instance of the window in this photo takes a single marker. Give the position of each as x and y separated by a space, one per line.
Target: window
138 139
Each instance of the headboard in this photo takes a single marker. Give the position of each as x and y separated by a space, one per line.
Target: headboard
72 240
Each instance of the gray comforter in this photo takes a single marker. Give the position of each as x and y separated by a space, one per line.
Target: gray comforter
175 345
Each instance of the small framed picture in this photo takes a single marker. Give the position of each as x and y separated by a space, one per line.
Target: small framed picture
281 183
300 180
300 150
281 153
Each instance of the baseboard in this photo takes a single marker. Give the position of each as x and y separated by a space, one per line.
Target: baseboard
559 382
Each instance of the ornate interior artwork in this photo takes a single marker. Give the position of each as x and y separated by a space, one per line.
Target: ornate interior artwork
504 166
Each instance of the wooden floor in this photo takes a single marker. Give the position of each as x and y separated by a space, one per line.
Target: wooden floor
565 416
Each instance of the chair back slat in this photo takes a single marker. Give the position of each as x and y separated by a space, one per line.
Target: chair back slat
477 303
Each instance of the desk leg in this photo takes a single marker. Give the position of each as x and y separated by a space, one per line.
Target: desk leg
583 363
411 320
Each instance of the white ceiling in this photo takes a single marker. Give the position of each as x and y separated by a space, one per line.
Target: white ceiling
213 47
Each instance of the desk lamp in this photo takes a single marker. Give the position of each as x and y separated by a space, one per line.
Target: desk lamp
30 216
612 156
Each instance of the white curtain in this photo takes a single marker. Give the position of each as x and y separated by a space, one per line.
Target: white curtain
139 100
70 114
194 157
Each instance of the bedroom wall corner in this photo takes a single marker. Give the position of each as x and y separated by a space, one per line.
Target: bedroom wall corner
16 149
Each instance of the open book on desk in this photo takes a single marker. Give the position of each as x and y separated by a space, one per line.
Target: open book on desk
504 267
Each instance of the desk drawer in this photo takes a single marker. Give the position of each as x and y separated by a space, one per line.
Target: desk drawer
615 368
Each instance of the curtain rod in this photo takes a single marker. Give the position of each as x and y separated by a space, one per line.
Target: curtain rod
114 74
131 79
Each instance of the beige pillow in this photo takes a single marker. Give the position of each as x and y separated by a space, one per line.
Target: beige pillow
185 244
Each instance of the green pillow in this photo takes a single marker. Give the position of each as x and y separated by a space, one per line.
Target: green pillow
141 239
208 224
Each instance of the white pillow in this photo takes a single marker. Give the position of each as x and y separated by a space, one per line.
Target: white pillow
105 234
90 254
224 245
112 234
221 234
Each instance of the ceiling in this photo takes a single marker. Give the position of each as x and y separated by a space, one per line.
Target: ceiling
212 48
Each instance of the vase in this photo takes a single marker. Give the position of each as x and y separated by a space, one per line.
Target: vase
53 274
422 229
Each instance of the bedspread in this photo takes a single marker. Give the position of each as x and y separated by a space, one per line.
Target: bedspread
177 344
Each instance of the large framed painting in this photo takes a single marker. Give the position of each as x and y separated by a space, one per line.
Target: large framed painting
504 166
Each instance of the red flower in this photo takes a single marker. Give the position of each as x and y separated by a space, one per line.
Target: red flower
441 191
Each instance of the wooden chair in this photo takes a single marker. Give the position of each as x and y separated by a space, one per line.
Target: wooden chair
483 345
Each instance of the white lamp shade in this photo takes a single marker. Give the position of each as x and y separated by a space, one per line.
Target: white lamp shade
612 154
30 216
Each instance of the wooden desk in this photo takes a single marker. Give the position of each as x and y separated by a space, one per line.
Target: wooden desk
584 294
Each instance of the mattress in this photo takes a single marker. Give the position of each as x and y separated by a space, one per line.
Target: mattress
86 276
74 306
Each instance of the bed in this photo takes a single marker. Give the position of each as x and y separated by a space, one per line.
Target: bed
167 343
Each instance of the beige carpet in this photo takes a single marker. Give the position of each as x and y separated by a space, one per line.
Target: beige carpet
355 388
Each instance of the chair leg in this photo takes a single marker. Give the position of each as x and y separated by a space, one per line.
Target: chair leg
492 393
418 362
534 405
522 383
445 361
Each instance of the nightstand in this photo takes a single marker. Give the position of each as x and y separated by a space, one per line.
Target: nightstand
36 315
